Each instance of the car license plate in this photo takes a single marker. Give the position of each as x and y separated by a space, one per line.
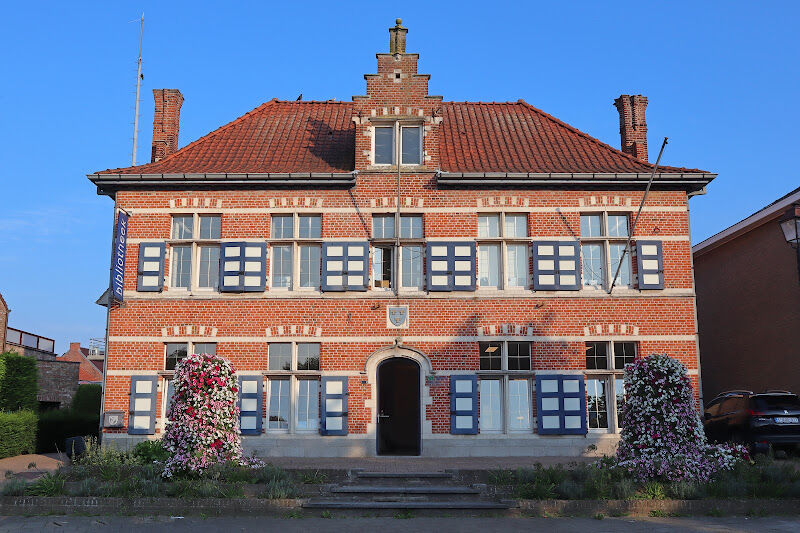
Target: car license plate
787 419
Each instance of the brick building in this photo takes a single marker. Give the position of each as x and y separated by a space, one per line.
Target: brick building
89 371
748 321
435 307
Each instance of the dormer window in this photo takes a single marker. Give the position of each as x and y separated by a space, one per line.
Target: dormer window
410 145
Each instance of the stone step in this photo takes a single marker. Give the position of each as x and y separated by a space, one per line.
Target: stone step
404 489
335 503
403 475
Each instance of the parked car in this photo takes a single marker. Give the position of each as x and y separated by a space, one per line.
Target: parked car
760 420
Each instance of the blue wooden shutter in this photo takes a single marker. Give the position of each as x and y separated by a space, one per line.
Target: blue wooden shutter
142 410
345 266
250 404
150 269
334 406
439 275
561 404
242 266
450 266
650 263
356 272
462 264
556 266
464 405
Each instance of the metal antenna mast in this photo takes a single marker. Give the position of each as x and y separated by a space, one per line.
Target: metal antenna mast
627 249
138 88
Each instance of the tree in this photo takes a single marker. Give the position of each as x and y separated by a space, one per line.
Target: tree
662 435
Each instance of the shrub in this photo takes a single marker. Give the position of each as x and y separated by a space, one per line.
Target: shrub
14 487
48 485
150 451
56 426
539 490
18 382
96 455
203 415
279 490
685 490
87 399
663 437
17 433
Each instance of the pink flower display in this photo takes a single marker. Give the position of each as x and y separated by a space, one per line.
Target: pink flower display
203 415
662 434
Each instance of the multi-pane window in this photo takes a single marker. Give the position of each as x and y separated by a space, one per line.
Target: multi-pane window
195 251
384 152
603 240
296 251
605 386
505 386
383 256
293 387
503 251
177 351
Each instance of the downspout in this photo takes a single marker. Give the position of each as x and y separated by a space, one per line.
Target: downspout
396 255
694 290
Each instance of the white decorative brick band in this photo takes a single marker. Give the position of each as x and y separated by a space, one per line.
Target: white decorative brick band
392 202
294 331
189 330
499 201
611 329
195 202
295 201
520 330
592 201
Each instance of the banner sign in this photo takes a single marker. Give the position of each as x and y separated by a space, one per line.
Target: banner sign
118 262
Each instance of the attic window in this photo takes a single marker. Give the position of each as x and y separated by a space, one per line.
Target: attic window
410 145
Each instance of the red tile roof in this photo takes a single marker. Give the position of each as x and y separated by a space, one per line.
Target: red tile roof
88 371
281 136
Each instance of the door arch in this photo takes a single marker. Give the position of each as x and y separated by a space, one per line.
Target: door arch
399 420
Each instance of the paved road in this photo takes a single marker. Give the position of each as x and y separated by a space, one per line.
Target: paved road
392 525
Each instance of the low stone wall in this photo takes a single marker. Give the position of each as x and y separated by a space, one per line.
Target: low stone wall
66 505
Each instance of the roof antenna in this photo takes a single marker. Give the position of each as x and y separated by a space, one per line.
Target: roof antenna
639 212
138 88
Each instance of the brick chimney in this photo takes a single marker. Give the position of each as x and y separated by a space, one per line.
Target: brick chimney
166 122
397 38
632 125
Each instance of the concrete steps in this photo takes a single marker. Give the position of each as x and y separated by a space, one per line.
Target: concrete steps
406 490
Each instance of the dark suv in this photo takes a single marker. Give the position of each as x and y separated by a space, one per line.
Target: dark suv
759 420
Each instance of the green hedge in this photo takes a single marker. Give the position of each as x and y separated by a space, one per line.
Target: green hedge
18 382
57 425
17 433
87 399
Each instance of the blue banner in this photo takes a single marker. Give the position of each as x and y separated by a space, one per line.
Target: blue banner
118 262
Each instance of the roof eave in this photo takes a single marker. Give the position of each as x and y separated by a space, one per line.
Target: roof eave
110 183
691 181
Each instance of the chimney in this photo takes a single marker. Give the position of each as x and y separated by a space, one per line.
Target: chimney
397 38
166 122
632 125
75 347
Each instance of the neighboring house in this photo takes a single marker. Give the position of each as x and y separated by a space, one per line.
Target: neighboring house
748 304
455 305
89 370
58 380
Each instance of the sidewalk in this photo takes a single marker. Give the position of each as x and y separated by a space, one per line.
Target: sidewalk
420 464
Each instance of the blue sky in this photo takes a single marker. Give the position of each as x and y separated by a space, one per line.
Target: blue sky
722 79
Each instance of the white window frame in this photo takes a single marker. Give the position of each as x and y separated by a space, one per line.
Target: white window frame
396 254
295 242
196 244
397 147
504 241
611 375
505 376
189 350
294 377
606 240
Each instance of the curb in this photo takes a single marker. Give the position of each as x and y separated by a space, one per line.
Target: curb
707 507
